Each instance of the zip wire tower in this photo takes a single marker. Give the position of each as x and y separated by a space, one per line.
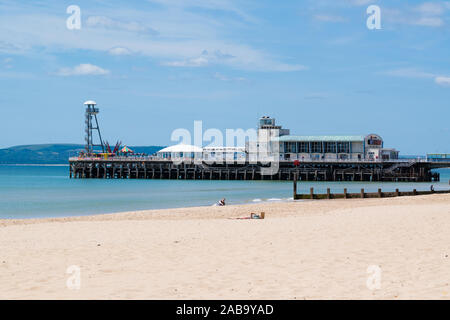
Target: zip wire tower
91 116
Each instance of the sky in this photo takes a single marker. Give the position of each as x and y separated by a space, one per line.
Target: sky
158 65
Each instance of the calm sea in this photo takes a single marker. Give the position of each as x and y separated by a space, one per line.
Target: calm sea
47 191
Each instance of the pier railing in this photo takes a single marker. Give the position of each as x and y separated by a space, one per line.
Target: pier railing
225 160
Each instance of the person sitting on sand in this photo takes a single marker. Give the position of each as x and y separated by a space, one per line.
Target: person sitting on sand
222 202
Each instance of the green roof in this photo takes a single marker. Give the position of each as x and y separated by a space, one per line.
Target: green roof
290 138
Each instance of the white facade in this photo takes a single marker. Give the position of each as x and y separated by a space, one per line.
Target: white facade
214 154
218 154
321 148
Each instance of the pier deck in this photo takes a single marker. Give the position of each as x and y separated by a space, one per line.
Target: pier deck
339 170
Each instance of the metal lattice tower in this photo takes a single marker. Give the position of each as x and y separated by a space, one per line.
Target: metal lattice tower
91 114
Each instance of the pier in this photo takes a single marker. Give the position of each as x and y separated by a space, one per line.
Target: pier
339 170
302 158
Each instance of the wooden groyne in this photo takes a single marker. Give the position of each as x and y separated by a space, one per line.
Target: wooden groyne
362 194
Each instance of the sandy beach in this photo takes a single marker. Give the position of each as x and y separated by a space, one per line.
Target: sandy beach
329 249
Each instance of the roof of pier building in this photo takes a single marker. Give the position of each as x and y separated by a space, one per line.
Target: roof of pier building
181 148
292 138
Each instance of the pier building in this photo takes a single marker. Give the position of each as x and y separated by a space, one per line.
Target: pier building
322 148
185 152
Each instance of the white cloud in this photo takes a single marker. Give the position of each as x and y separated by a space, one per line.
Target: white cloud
83 69
119 51
418 74
13 48
442 81
429 22
427 14
430 14
408 73
430 8
250 61
194 62
201 61
106 22
183 35
216 5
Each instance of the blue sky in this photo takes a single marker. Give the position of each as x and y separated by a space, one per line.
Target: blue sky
154 66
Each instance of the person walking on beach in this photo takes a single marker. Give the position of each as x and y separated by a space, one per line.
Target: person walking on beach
432 188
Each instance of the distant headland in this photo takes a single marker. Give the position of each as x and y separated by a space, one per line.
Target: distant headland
52 153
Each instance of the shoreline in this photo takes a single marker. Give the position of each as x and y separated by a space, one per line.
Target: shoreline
229 211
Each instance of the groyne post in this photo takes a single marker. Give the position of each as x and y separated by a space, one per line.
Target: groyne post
295 186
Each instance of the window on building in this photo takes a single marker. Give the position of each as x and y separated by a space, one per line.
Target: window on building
303 147
316 147
330 147
343 147
290 147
